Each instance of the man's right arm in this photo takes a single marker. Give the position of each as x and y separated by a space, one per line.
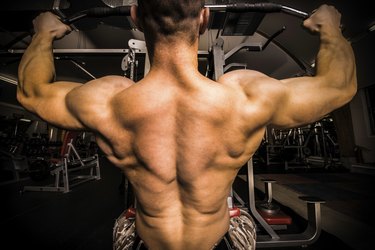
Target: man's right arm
304 100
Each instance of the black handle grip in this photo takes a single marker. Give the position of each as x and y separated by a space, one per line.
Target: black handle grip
107 11
98 12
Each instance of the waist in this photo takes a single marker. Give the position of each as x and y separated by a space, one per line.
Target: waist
225 243
179 231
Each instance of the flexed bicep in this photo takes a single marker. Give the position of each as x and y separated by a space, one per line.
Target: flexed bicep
310 98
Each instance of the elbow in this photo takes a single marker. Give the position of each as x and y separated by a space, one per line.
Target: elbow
25 101
345 95
344 87
20 96
352 94
352 84
22 99
352 89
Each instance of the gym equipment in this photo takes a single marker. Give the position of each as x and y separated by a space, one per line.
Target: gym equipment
65 169
13 163
272 238
270 211
287 147
92 12
267 205
16 164
314 145
130 63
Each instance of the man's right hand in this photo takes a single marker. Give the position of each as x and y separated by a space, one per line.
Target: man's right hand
324 19
49 23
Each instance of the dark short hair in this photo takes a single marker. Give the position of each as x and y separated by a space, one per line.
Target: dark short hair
169 17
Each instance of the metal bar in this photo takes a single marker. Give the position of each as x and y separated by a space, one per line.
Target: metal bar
294 12
77 51
89 51
238 198
97 176
66 175
8 80
219 58
43 188
82 68
258 7
231 65
250 180
251 46
217 7
268 191
309 236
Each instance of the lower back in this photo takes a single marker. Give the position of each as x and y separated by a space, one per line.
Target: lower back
177 231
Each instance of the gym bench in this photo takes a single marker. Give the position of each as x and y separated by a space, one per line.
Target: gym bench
64 169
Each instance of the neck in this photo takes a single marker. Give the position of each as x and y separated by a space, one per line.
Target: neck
175 58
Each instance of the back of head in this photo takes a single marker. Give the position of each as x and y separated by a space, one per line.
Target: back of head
170 18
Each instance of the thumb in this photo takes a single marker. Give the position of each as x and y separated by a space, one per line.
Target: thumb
311 26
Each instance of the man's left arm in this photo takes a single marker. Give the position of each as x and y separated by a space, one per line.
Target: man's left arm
36 90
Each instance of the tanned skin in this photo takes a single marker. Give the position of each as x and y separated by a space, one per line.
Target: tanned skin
179 137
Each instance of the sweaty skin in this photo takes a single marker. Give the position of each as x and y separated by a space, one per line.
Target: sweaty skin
179 137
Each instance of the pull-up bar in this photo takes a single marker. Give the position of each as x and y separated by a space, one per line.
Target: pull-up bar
231 8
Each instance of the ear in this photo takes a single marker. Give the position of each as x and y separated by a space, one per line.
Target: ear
134 17
203 20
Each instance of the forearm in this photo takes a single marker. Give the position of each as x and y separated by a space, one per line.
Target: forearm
36 67
336 63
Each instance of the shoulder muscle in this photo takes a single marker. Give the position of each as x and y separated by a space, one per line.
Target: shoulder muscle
263 93
91 102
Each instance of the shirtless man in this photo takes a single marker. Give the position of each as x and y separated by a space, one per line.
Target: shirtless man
179 137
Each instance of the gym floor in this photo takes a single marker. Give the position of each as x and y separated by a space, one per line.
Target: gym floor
83 218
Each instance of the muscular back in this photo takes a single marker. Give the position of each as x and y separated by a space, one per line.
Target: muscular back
179 137
180 144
